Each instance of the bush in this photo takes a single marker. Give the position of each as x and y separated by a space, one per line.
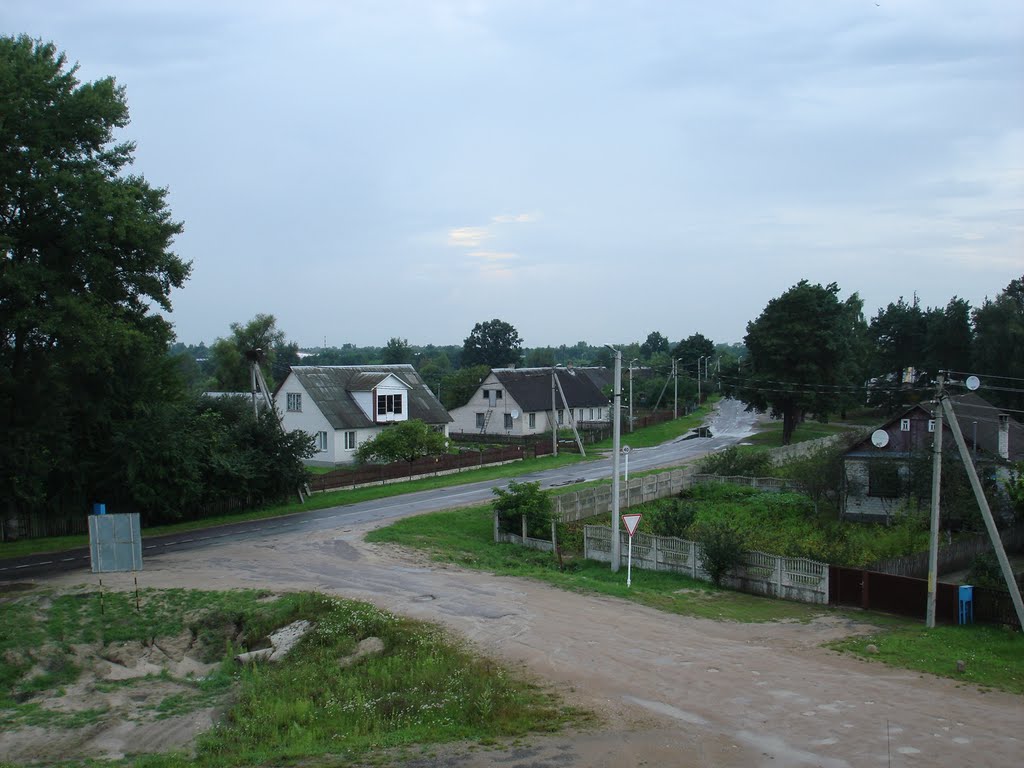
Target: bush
733 461
722 549
671 517
523 499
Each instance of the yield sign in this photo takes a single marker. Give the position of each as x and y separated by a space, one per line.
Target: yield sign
631 522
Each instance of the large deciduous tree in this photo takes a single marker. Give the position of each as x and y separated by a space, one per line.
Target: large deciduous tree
800 350
85 258
493 343
999 343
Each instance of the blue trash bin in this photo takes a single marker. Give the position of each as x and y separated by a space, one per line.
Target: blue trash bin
966 612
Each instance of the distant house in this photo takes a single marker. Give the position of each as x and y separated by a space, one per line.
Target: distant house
343 406
518 401
876 469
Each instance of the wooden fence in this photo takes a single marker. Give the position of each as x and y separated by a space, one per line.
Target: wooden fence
792 578
426 467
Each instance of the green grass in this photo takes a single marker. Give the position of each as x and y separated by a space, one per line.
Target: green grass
465 536
770 435
424 688
994 656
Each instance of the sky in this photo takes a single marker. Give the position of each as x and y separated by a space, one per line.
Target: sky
587 171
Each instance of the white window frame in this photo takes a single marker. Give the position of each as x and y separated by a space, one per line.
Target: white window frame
293 402
533 421
321 441
508 421
480 421
904 425
591 414
350 440
561 416
390 404
931 425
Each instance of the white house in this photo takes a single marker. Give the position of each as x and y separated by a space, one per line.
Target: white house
518 401
343 406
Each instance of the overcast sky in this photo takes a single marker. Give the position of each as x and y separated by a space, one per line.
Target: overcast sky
584 171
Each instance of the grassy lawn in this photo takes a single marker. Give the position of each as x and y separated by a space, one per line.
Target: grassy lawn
465 536
659 433
770 435
994 656
422 688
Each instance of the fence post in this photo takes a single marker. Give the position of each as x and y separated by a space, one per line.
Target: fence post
778 575
496 527
655 551
554 534
524 528
693 559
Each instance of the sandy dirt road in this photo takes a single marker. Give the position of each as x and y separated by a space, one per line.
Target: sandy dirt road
670 690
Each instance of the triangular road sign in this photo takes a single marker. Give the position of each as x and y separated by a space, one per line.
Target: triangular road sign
631 522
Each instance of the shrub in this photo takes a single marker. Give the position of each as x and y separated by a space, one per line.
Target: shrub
733 461
722 549
523 499
671 517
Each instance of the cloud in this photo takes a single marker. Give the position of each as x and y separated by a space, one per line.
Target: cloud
515 218
468 237
494 255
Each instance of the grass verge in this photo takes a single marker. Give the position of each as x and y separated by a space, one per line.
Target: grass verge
464 536
770 435
423 688
993 656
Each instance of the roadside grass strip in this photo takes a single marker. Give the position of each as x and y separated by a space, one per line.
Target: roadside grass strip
993 657
424 687
465 537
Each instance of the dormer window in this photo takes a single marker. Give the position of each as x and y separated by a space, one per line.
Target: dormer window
389 404
904 425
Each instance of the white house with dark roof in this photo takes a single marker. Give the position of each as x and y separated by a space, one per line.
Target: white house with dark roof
518 401
343 406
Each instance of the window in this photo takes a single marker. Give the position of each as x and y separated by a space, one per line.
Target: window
599 417
486 394
350 441
581 415
533 421
904 425
508 421
560 419
295 401
931 425
497 394
479 421
389 404
591 414
321 441
883 479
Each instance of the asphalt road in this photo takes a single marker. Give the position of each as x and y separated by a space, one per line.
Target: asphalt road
729 424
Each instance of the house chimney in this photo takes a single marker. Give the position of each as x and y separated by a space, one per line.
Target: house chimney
1004 436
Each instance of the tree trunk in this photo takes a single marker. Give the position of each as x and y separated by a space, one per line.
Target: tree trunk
790 414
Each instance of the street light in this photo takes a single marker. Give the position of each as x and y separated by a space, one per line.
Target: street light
702 357
634 360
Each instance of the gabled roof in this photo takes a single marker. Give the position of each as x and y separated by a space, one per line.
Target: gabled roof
975 415
331 387
599 376
531 388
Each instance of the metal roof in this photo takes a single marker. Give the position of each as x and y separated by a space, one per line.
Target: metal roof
331 388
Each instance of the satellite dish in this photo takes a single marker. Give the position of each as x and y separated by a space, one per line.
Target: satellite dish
879 438
973 382
515 414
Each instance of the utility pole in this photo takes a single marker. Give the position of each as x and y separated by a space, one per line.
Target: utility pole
986 513
616 451
933 536
675 386
631 394
698 376
554 415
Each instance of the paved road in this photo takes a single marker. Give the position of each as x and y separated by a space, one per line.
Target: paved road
729 424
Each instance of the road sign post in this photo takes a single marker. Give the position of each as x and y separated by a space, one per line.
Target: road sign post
625 455
631 522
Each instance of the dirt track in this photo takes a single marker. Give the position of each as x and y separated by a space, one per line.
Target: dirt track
673 691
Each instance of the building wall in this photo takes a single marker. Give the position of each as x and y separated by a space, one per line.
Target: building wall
858 504
310 420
